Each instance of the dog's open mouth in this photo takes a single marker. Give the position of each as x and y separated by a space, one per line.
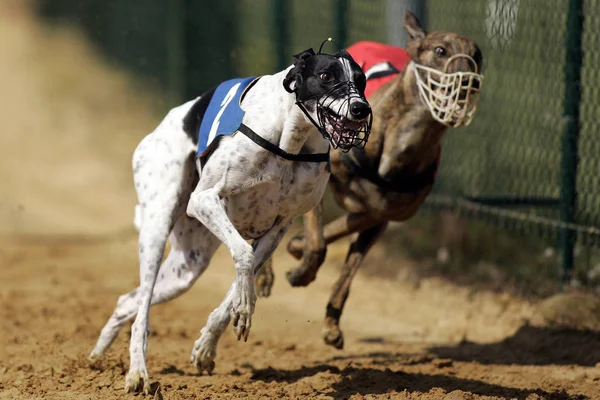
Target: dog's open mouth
334 113
344 133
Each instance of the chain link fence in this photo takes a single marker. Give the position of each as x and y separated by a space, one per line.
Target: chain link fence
521 165
528 161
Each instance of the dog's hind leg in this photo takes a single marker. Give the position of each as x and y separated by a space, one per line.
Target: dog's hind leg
313 255
332 335
205 348
192 246
164 175
343 226
311 246
314 250
264 279
137 217
169 176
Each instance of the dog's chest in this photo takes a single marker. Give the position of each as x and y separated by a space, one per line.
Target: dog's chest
283 190
364 196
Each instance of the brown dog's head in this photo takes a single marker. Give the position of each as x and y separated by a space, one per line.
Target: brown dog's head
444 76
447 71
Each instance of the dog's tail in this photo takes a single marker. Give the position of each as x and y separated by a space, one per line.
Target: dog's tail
137 217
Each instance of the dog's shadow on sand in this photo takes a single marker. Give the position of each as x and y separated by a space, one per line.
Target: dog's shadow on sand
528 346
371 381
531 345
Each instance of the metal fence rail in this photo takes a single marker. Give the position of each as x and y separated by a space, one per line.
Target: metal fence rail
528 162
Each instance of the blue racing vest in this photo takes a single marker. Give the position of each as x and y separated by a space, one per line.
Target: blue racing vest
224 113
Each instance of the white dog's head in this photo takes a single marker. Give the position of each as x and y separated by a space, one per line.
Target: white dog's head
330 89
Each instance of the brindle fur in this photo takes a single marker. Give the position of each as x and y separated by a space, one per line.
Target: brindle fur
405 140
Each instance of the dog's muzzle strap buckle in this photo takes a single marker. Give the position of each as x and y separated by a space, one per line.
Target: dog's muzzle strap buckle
265 144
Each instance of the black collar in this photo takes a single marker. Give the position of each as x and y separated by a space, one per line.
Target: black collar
410 183
265 144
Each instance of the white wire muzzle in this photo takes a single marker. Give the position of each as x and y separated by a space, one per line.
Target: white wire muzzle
451 97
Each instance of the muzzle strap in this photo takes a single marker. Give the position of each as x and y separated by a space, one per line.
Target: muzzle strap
265 144
315 123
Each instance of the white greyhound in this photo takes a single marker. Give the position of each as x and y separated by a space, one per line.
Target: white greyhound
238 163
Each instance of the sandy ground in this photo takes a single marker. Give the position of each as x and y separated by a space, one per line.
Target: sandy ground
434 342
67 251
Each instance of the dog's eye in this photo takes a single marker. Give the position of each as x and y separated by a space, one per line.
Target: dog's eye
440 51
325 76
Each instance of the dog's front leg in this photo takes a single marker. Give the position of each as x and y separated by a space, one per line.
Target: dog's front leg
205 348
207 206
332 335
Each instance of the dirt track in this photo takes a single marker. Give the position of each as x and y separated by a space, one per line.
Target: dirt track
434 342
62 271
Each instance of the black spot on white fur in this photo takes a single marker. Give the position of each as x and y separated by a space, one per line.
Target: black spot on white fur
193 119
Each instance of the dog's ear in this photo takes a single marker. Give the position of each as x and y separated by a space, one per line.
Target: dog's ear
343 53
413 26
295 74
417 35
303 56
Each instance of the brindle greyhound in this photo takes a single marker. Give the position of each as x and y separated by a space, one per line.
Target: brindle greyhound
392 176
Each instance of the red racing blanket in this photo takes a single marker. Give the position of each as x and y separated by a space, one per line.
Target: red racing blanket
380 62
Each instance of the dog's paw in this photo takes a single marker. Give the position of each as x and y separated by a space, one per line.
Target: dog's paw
94 356
304 274
204 354
243 308
333 336
264 278
136 380
95 360
299 277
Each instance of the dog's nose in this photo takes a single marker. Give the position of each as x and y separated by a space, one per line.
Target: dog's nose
360 109
470 81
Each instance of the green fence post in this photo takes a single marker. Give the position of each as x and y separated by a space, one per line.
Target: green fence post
395 11
341 22
280 33
568 179
176 52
